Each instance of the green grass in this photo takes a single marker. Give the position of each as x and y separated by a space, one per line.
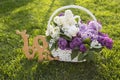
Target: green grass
33 15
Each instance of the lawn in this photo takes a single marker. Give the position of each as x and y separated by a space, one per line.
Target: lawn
33 15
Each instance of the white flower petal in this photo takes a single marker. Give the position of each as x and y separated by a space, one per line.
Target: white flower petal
57 20
95 44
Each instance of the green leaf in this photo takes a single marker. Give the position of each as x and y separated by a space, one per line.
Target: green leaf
87 41
90 56
76 19
53 23
74 53
56 45
48 38
82 56
62 32
96 49
65 37
87 46
53 46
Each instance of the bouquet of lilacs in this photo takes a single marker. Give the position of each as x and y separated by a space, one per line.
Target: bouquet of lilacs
68 34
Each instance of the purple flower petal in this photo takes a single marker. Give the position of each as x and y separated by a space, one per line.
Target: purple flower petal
61 14
75 42
105 41
83 27
103 35
83 48
62 43
94 25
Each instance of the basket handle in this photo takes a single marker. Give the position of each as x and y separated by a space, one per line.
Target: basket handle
71 6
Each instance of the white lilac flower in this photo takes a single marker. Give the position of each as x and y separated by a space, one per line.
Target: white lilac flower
64 55
95 44
63 20
56 32
57 20
53 32
70 20
49 31
51 42
67 20
70 30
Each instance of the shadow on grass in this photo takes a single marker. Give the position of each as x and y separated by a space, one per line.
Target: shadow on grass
21 20
9 39
6 6
56 70
11 22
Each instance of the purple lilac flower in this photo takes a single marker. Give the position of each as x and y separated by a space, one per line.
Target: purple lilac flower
89 34
68 48
79 34
85 35
81 21
108 42
75 42
92 31
94 25
62 43
103 35
83 48
61 14
101 40
86 32
105 41
88 22
83 27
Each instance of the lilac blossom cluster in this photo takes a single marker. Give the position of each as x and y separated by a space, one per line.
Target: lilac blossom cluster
86 31
105 40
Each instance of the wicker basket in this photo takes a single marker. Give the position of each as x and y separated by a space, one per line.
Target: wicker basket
65 55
